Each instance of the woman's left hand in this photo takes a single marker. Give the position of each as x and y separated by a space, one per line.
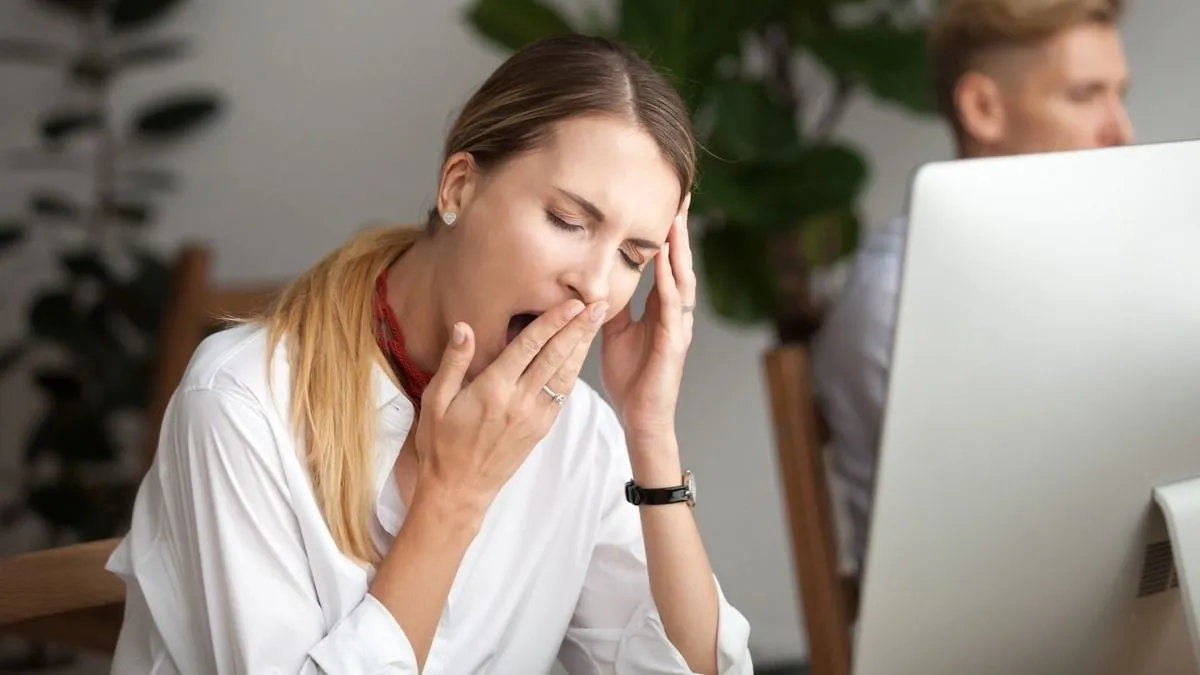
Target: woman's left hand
642 361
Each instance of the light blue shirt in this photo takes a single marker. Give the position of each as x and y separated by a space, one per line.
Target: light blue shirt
851 360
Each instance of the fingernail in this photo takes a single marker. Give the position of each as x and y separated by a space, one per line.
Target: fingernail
459 335
598 310
574 310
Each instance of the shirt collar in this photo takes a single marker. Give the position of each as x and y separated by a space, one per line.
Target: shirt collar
385 389
394 415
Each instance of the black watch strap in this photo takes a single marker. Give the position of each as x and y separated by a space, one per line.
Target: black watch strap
640 496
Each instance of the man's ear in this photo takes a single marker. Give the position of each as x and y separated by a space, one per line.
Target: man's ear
458 181
977 99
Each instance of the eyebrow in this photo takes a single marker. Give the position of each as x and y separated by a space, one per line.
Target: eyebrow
598 215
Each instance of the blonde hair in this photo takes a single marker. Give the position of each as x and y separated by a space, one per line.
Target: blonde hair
325 317
964 30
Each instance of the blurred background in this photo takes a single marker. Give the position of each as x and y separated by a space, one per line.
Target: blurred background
267 132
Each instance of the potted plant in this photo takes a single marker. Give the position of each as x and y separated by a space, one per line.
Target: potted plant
91 334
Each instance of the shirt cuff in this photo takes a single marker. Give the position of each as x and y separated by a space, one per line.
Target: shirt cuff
645 646
368 641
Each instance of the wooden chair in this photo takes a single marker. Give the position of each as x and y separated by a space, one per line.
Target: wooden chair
64 595
829 600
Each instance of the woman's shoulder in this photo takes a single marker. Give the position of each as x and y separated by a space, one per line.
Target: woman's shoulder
234 361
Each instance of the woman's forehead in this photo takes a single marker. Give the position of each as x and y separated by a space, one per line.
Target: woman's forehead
609 163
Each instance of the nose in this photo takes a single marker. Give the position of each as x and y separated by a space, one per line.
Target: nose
1119 130
591 281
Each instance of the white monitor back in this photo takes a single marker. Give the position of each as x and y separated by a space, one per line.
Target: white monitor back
1045 379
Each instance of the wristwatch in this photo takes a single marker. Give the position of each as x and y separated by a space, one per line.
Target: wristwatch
639 496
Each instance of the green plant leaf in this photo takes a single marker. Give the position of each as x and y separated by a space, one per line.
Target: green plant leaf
174 116
746 123
60 385
131 15
52 317
91 70
57 126
513 24
85 263
143 298
132 213
53 204
687 40
890 61
658 30
721 194
719 28
12 233
151 52
31 52
829 237
63 505
738 282
820 179
120 376
774 195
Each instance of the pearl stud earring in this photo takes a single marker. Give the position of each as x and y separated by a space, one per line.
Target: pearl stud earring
449 217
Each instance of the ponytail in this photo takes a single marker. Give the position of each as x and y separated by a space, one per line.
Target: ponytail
325 317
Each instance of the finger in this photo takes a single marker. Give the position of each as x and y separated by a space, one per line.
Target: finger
448 380
682 263
666 289
560 348
563 380
685 276
517 356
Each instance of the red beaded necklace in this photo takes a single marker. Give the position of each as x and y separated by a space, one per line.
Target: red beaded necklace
391 341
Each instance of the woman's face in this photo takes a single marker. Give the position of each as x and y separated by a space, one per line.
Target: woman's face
579 217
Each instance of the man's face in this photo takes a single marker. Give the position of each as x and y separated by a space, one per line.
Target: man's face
1067 94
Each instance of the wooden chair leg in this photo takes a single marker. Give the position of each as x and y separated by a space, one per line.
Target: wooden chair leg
809 509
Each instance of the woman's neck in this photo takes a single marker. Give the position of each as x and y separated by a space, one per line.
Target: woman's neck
412 294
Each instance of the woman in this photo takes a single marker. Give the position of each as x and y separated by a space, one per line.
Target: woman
395 470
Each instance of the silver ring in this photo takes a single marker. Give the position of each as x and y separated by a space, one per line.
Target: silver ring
687 308
554 395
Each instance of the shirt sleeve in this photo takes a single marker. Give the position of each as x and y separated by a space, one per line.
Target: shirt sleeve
616 627
851 362
224 572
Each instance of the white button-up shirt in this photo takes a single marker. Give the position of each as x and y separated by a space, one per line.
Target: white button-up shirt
230 567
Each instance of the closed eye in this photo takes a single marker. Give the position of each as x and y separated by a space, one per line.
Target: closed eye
562 224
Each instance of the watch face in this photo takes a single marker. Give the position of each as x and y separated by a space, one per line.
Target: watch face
691 486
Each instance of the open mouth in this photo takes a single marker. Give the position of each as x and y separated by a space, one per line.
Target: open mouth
518 323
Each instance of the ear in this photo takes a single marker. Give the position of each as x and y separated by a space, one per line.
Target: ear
459 176
977 99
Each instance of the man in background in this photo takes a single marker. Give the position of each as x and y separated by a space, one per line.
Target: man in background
1012 77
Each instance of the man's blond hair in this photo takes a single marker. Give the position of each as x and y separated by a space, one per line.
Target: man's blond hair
966 30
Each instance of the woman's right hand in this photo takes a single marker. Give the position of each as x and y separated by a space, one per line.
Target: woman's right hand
471 439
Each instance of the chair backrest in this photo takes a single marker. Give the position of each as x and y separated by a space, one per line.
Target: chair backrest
828 600
196 307
64 595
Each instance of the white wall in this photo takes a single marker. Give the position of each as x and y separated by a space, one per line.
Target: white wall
336 117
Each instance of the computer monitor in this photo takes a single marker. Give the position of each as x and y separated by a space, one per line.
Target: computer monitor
1044 398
